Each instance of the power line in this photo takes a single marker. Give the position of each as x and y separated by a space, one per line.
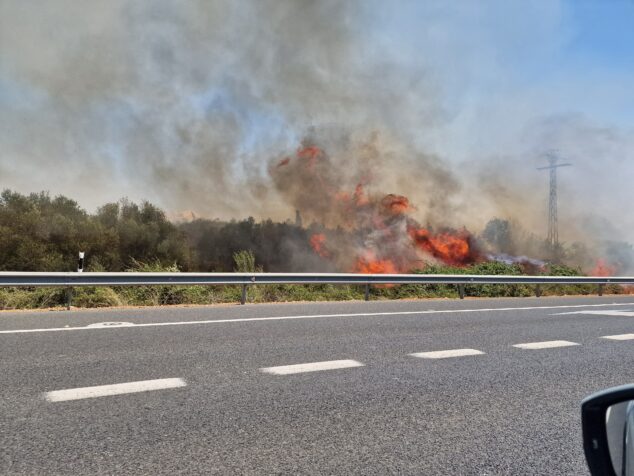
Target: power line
553 219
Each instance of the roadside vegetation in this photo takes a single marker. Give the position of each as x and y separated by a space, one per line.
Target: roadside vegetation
40 233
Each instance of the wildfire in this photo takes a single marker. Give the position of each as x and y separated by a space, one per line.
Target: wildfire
318 244
369 265
603 269
365 231
311 153
451 248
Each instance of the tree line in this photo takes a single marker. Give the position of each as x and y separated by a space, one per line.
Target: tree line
43 233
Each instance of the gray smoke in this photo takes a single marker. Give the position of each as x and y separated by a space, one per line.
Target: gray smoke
188 103
185 102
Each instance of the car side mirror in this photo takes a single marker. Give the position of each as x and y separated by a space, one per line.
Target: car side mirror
607 418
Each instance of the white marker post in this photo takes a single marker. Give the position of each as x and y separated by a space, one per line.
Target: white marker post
80 269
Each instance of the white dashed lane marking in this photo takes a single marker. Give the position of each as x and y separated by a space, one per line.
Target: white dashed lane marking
311 367
445 354
115 389
168 383
549 344
619 337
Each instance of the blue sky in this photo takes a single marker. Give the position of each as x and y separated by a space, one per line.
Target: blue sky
603 33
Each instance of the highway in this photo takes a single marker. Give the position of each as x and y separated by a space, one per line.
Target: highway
473 387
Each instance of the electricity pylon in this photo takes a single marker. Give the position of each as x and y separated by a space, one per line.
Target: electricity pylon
553 220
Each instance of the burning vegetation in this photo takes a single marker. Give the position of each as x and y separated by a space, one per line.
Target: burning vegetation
362 229
357 227
602 268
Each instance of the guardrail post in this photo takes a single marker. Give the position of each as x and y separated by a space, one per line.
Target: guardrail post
243 298
69 298
367 292
538 290
600 290
461 291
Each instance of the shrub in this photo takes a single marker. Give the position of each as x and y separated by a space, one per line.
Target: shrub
31 298
95 297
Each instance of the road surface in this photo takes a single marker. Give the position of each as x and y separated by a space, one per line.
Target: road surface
482 387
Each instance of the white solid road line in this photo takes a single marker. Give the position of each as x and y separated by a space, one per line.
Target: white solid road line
549 344
128 325
445 354
311 367
619 337
116 389
607 312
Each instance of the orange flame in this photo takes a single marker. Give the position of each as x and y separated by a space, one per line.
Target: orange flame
318 243
452 248
603 269
310 153
375 266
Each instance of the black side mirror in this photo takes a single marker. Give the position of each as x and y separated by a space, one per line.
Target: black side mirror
607 418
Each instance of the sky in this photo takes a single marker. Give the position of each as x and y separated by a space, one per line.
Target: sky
188 103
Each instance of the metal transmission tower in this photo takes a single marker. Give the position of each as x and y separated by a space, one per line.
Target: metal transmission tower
553 222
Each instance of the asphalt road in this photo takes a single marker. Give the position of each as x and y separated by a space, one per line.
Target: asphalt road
237 402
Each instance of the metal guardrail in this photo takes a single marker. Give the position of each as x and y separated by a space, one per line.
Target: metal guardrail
147 279
72 279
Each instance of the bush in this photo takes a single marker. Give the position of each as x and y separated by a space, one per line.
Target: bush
566 289
245 262
31 298
95 297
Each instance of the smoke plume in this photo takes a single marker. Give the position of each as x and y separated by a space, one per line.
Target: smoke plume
228 109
